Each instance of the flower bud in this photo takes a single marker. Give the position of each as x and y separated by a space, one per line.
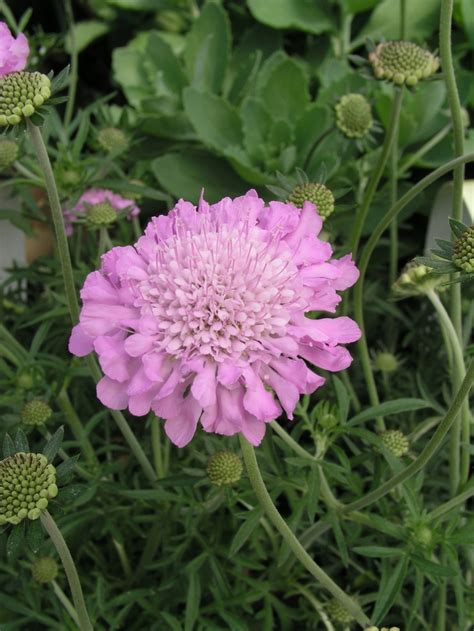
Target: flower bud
112 139
338 613
463 256
8 152
27 483
395 441
35 412
327 415
402 62
385 362
317 194
224 468
416 279
354 115
21 94
44 570
101 215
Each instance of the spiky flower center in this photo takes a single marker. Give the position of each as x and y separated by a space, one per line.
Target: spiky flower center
8 152
354 115
27 483
463 255
316 193
395 441
222 293
112 139
338 613
224 467
35 412
44 570
100 215
21 94
402 62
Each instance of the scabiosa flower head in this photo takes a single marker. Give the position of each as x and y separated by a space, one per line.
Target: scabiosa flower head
21 94
338 613
112 139
44 569
27 483
402 62
204 318
224 468
386 362
463 254
104 199
8 152
354 115
317 194
35 412
14 51
395 441
416 279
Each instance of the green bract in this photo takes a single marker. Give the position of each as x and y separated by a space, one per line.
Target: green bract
318 194
416 279
21 94
27 483
354 115
402 62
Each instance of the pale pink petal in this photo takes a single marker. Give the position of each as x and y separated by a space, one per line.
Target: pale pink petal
80 344
112 394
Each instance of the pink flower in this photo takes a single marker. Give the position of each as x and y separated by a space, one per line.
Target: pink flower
13 51
98 196
204 318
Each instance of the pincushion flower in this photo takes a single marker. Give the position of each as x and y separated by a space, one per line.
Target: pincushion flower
203 320
94 197
13 51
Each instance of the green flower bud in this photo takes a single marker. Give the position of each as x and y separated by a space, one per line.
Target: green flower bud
112 139
423 535
415 280
30 377
224 468
327 415
8 152
35 412
463 256
385 362
44 570
354 115
402 62
27 483
317 194
338 613
101 215
21 94
395 441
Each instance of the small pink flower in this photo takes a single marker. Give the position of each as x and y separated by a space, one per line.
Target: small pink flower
203 320
13 51
98 196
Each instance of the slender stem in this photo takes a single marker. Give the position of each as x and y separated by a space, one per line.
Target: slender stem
27 173
393 183
447 507
459 454
314 146
377 173
423 150
73 75
123 557
69 567
66 603
156 446
319 608
77 428
58 219
277 520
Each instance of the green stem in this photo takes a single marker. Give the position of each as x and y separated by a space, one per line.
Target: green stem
77 428
277 520
423 150
58 219
314 146
156 446
66 603
447 507
377 173
393 183
459 454
73 75
69 567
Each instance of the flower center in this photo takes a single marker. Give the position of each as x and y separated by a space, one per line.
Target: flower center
225 292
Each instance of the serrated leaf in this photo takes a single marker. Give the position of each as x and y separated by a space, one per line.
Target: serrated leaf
245 530
54 444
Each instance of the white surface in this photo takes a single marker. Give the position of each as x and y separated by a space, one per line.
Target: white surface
438 226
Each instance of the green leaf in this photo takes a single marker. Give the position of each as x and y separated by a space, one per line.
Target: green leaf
16 541
187 174
304 15
21 441
161 56
285 89
129 72
66 468
214 119
17 220
377 552
358 6
467 11
85 33
53 445
463 536
342 398
208 48
193 599
390 587
433 569
309 128
246 529
340 539
34 535
8 446
397 406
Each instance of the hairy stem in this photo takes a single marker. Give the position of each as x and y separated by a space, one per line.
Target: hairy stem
69 567
277 520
